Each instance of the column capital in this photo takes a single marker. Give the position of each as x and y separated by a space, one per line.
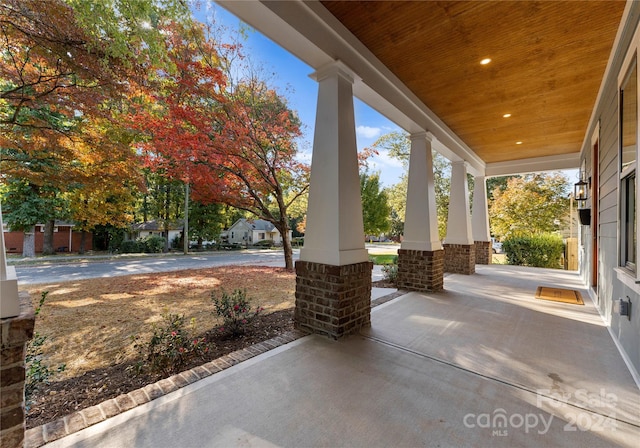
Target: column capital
459 162
422 135
335 68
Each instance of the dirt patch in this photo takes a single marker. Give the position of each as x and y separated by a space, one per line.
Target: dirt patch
383 284
90 323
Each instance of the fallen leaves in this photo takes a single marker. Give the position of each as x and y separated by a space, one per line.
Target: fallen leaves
89 323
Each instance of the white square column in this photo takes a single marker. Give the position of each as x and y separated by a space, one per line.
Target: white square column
9 300
420 257
335 230
421 219
460 256
333 275
480 221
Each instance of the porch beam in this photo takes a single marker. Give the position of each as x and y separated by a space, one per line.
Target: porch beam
310 32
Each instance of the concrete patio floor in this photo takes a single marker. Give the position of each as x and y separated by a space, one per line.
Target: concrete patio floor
482 363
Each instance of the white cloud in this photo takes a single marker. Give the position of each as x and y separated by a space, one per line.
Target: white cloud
385 159
368 132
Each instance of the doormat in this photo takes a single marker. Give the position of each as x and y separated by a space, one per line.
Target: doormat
559 295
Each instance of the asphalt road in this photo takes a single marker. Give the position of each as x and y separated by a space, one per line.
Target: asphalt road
64 269
85 268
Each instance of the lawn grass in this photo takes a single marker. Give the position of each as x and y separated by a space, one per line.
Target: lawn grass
383 259
499 259
89 323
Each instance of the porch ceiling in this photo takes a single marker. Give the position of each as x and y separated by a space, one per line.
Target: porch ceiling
547 62
418 63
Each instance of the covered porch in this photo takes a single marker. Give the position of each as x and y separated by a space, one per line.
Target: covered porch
481 363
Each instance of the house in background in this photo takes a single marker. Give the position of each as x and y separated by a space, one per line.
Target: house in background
252 231
65 239
156 228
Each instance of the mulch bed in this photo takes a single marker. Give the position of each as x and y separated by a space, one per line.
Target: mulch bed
64 397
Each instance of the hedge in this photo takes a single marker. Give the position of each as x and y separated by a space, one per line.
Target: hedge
542 251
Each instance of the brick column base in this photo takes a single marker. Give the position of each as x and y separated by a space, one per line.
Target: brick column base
334 301
420 270
15 333
460 258
483 252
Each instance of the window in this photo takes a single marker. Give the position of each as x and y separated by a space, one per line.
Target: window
628 164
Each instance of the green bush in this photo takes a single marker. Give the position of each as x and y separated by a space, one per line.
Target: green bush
170 348
297 242
264 243
153 244
235 309
390 272
130 247
542 251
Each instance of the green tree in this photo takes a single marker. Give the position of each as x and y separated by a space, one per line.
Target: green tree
531 204
207 221
398 146
27 204
375 205
494 183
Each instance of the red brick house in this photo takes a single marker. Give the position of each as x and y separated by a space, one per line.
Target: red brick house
65 239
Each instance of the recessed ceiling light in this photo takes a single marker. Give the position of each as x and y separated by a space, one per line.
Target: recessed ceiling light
518 143
485 61
506 115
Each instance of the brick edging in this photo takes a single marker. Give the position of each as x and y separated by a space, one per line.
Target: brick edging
40 435
388 297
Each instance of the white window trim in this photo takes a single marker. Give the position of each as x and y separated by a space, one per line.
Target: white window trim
625 275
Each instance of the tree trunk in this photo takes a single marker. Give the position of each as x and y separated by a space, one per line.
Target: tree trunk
283 228
29 243
47 245
83 238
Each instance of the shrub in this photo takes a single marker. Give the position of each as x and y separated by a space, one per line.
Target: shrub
37 373
264 243
297 242
170 348
130 247
390 272
543 251
235 309
153 244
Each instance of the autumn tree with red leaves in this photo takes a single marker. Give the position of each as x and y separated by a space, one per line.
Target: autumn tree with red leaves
233 142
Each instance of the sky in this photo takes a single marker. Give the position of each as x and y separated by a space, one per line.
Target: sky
290 77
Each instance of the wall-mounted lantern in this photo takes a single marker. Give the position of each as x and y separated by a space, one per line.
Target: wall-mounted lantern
580 190
581 194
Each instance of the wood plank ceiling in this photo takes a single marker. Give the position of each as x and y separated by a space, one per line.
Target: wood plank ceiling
547 61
